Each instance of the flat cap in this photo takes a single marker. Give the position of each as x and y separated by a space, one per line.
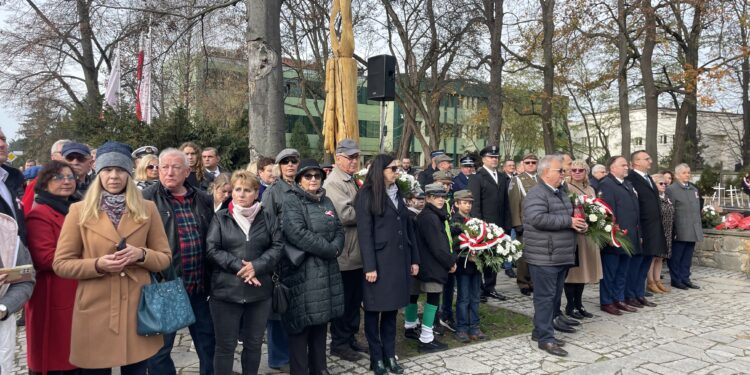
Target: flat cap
435 189
464 195
530 156
442 158
285 153
442 176
75 148
347 147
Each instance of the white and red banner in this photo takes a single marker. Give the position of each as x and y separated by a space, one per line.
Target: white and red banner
112 93
143 75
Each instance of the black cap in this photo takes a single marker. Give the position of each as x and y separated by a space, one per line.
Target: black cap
490 151
467 161
437 153
306 165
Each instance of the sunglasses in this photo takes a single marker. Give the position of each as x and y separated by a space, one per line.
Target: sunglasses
312 176
393 169
528 162
576 170
662 184
287 161
77 157
61 177
152 167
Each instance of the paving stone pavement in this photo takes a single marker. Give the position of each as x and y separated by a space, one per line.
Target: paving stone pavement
704 331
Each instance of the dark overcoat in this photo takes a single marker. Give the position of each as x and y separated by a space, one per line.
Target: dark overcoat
389 246
652 229
622 199
490 199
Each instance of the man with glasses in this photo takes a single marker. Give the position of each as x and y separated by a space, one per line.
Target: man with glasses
654 243
342 189
273 197
618 193
489 187
78 157
520 186
550 248
186 213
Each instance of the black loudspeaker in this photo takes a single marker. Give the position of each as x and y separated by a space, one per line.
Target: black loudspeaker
381 78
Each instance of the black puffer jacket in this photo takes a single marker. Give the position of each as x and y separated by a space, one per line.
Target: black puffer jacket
228 247
316 291
435 254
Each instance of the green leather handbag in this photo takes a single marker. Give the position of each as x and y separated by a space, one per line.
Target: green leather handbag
164 307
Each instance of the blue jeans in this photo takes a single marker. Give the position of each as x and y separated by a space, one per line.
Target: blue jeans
278 344
467 302
637 274
202 333
446 310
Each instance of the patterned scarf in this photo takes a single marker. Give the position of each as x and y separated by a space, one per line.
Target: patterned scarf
114 206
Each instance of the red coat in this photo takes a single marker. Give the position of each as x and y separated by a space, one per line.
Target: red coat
49 312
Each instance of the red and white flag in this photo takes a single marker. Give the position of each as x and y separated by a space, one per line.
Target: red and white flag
143 75
112 94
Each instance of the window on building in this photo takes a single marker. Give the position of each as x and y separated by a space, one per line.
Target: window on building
369 129
663 139
638 141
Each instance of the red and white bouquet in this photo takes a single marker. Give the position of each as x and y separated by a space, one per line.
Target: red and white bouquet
603 228
488 244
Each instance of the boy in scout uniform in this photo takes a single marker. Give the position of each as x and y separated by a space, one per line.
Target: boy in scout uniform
519 186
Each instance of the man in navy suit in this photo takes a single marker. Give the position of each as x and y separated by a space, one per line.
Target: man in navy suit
623 200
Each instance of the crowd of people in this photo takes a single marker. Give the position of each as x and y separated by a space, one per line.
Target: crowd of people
97 223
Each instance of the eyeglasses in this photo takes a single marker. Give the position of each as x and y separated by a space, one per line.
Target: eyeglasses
152 167
529 162
287 161
393 168
312 176
560 170
350 157
61 177
576 170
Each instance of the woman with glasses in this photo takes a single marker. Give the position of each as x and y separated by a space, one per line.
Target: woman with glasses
49 312
311 225
667 219
390 258
589 262
147 172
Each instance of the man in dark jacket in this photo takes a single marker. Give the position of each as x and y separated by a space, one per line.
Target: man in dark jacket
654 242
186 213
461 181
549 247
489 187
425 177
11 189
622 199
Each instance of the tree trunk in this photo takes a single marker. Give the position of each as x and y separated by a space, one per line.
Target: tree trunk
493 10
649 87
88 64
548 21
267 124
622 78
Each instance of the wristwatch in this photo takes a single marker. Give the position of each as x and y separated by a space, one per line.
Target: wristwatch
3 312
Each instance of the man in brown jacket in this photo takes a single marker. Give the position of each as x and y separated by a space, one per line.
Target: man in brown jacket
342 189
520 185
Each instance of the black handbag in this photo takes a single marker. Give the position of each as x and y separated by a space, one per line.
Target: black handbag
164 307
280 297
295 255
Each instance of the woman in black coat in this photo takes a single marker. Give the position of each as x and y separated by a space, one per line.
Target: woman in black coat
243 245
390 257
310 225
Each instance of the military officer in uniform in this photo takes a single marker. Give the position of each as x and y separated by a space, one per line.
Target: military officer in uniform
489 187
461 181
520 185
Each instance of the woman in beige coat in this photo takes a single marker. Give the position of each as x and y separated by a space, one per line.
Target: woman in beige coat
110 280
589 265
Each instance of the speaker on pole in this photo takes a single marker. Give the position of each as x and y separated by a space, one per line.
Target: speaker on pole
381 78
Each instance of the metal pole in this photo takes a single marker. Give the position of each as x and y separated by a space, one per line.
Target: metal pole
382 127
455 130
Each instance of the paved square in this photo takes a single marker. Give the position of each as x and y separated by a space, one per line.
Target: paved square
704 331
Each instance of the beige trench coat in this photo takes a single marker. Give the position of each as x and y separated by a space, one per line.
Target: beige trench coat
104 316
589 270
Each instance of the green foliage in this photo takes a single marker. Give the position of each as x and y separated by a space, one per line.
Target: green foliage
301 142
709 178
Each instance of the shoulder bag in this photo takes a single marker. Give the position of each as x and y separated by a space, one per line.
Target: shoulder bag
164 307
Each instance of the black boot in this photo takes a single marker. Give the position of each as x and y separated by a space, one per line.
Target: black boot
392 365
378 368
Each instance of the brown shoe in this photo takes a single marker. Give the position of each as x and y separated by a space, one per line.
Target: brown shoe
611 308
553 349
646 302
634 302
625 307
663 288
653 288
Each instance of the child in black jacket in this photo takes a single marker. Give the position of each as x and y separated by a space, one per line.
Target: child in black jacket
437 262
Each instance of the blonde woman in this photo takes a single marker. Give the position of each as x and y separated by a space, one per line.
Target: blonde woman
221 190
147 171
588 268
110 242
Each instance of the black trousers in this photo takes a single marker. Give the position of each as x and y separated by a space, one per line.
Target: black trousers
574 296
138 368
548 288
307 351
489 280
344 328
380 330
227 317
